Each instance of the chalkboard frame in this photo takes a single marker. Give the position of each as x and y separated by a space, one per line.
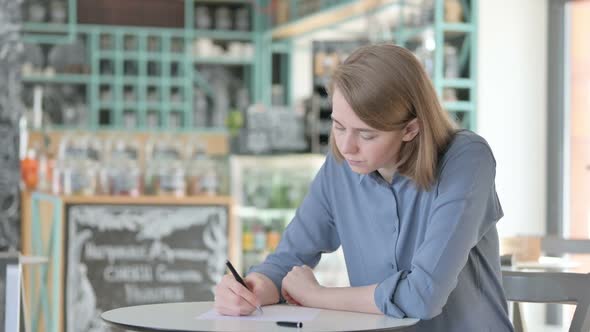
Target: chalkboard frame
125 204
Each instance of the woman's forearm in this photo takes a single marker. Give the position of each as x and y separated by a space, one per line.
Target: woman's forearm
359 299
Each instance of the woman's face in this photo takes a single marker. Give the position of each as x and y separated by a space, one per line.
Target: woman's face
364 148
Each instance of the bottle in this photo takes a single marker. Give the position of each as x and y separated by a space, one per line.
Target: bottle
277 197
57 178
259 237
58 11
150 180
200 109
46 165
194 177
171 179
197 167
222 18
89 174
247 236
126 179
210 182
242 19
425 52
30 170
66 187
453 11
221 103
273 235
37 11
202 17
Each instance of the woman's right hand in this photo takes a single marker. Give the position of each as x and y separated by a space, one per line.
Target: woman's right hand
233 299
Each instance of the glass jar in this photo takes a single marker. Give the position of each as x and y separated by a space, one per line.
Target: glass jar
150 180
78 178
242 19
202 17
58 11
171 180
103 186
451 62
222 18
89 175
195 174
210 182
453 11
125 179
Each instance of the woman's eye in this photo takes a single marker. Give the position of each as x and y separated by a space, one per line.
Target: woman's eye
338 127
367 138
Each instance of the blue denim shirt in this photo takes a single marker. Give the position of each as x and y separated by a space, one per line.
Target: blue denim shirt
434 254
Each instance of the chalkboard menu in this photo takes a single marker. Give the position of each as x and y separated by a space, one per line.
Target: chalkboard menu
122 255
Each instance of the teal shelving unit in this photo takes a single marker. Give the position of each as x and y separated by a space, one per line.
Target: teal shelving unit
143 74
464 33
63 33
154 80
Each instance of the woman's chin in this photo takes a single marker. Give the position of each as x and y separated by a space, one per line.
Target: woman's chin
359 169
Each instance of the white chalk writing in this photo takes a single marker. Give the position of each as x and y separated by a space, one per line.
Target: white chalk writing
126 273
134 294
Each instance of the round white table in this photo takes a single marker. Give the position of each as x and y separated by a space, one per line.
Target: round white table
183 317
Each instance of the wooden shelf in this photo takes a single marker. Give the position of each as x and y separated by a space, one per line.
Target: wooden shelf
327 18
224 60
140 200
147 200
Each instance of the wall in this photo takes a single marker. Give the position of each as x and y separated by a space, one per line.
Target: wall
512 71
10 110
579 123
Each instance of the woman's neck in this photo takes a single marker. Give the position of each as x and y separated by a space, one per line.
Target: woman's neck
387 173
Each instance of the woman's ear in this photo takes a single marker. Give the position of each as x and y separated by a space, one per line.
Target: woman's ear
411 130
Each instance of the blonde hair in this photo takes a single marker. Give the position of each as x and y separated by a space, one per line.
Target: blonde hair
387 87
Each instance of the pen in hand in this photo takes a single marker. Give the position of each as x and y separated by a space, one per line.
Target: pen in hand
240 280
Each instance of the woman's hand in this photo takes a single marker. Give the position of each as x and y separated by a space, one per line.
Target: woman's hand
233 299
300 286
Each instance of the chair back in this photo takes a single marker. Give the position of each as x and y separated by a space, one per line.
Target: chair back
555 245
552 287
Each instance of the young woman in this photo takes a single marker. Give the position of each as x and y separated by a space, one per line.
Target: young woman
410 199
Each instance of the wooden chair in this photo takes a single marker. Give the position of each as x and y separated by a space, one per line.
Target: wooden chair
551 287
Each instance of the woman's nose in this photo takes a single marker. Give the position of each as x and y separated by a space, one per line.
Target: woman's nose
348 144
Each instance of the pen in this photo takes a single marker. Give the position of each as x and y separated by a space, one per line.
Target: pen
240 280
290 324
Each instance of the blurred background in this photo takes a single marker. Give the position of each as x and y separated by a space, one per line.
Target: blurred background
143 142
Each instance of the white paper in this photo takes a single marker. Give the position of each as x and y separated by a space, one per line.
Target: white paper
271 313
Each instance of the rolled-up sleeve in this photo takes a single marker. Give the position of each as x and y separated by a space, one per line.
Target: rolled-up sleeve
465 207
310 233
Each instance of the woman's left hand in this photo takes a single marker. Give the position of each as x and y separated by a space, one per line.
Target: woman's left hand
299 286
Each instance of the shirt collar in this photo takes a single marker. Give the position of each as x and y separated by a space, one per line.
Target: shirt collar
376 177
361 177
